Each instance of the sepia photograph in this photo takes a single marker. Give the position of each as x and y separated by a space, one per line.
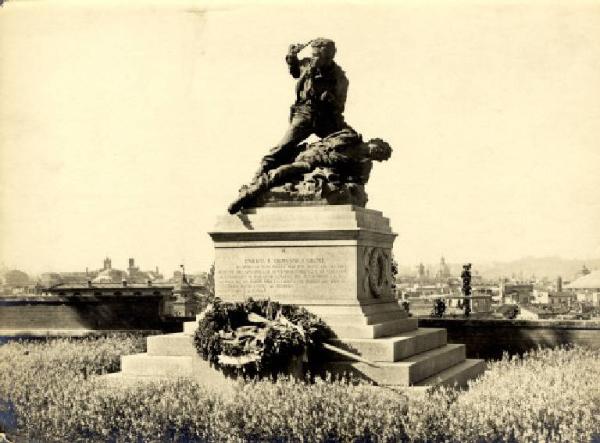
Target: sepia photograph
299 221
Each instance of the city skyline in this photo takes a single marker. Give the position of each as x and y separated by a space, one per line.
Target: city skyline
523 268
118 123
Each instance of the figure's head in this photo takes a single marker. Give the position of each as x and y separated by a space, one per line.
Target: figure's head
323 51
379 150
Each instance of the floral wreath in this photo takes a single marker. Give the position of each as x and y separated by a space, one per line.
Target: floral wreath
258 336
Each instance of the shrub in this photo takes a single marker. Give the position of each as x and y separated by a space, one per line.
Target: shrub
43 383
331 410
548 395
174 410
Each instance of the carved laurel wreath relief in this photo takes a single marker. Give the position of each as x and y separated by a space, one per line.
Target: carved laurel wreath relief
377 277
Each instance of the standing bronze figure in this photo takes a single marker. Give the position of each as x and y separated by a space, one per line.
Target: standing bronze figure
320 100
333 170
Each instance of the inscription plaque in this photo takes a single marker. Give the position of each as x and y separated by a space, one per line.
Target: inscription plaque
260 275
283 272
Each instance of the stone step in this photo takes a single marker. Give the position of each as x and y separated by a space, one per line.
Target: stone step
406 372
178 344
156 365
138 368
370 319
384 329
326 311
394 348
457 375
358 328
189 327
373 313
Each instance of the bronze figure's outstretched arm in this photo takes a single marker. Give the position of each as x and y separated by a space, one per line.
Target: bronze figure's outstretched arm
292 58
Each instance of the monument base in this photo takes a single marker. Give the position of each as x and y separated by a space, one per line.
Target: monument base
171 356
333 260
418 359
336 262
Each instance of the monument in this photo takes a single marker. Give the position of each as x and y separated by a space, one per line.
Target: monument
299 233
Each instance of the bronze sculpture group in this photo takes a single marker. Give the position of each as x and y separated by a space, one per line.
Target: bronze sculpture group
332 170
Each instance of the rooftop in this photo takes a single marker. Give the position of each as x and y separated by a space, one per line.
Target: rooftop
109 285
589 281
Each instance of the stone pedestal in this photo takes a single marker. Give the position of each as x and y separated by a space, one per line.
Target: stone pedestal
333 260
336 262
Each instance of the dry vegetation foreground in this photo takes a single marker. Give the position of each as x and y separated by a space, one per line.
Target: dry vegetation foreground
49 391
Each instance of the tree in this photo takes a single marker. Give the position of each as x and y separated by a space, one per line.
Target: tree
15 278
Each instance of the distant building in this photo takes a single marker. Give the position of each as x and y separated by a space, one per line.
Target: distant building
519 293
180 299
506 311
74 277
201 279
155 275
106 274
583 272
49 279
444 271
586 288
481 305
101 289
542 312
185 298
528 312
135 275
541 296
563 299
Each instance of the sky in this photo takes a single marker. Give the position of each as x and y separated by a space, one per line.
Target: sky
125 130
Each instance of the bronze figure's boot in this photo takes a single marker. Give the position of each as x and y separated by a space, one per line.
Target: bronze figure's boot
249 194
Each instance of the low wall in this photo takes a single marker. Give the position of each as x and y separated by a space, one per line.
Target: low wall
489 338
73 315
